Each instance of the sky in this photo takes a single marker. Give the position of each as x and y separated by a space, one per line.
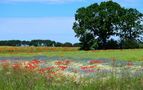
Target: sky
45 19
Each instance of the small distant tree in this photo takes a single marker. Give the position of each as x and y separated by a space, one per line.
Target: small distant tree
58 44
76 45
67 44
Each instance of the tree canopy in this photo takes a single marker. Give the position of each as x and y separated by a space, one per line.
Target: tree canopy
94 25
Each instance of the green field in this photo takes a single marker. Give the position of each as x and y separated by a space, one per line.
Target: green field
128 54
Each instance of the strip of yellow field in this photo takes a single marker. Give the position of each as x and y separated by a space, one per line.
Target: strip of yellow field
10 49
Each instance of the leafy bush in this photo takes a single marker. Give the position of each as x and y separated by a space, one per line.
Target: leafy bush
129 44
141 45
112 44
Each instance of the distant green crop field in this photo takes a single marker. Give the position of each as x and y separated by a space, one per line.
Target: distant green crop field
71 52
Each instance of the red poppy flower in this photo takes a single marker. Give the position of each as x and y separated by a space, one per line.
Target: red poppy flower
95 62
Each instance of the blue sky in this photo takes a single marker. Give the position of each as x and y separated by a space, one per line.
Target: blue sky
45 19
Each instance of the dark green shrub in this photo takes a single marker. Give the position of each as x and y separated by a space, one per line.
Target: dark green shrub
112 44
129 44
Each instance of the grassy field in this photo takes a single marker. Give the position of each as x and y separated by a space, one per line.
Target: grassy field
128 54
70 69
70 75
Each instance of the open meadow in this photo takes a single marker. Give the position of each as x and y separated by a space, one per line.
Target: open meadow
71 45
48 68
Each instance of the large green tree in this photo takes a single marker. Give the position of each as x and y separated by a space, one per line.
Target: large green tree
98 20
95 24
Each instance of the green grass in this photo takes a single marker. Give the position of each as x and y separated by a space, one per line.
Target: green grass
19 80
23 80
131 54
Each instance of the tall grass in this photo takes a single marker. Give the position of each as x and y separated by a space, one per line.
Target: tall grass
15 76
19 80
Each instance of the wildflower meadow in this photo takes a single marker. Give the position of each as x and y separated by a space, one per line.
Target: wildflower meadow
70 72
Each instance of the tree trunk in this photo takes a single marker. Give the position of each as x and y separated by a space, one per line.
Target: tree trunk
104 42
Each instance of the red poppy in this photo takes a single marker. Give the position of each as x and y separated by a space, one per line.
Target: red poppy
30 66
95 62
43 70
58 62
130 64
4 61
87 67
35 61
83 67
16 66
62 67
65 62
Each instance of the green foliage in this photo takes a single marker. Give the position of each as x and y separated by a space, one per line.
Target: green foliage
22 80
67 44
76 45
101 21
98 20
11 43
129 44
141 45
58 44
87 42
41 43
112 44
36 43
130 26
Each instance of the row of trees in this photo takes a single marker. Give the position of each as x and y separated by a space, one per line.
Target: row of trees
98 25
48 43
111 44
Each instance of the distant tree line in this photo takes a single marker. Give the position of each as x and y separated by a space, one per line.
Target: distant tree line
48 43
96 26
